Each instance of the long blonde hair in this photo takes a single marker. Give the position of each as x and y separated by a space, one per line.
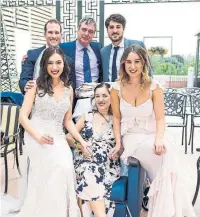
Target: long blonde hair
142 53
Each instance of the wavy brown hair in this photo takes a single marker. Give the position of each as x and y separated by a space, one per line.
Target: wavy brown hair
44 81
142 53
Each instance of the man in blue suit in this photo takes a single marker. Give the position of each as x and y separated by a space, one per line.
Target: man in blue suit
53 35
85 53
111 54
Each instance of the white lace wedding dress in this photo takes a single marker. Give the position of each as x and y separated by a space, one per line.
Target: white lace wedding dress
51 179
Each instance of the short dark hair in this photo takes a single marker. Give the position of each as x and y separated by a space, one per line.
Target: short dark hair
118 18
52 21
103 84
88 20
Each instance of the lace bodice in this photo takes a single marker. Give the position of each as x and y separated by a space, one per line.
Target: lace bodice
137 118
48 114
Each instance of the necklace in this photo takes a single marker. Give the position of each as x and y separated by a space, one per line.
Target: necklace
107 120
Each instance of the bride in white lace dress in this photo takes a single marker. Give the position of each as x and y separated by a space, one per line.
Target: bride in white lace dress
51 180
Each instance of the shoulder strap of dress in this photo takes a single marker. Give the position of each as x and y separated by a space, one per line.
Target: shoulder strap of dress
116 86
67 90
154 85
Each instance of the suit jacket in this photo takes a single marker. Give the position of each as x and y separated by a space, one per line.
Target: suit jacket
105 56
69 48
29 64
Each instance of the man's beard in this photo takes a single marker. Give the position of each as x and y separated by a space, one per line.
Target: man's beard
117 39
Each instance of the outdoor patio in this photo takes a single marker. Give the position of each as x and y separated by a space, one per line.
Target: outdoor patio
175 132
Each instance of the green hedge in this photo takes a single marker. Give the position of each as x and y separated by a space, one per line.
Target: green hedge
175 65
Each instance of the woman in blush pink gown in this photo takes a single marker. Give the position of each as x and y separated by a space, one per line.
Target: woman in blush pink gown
139 124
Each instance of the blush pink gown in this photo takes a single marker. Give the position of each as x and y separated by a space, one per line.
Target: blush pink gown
168 195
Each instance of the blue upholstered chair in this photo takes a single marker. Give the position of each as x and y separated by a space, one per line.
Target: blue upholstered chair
12 97
127 191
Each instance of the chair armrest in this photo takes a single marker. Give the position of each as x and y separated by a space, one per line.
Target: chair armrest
133 162
119 190
136 175
6 139
198 164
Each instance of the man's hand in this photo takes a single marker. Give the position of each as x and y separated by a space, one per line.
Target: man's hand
24 58
29 85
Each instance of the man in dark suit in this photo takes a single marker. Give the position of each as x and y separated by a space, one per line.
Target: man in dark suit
111 54
85 53
52 34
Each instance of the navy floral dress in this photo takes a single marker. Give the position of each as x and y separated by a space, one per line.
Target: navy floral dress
96 176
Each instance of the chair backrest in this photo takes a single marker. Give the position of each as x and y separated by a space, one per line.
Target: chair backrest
175 104
9 121
170 90
12 97
195 101
190 90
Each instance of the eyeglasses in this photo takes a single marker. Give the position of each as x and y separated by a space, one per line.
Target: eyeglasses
87 30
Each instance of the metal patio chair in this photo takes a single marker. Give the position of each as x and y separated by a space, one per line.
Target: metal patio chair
175 112
9 135
195 118
198 182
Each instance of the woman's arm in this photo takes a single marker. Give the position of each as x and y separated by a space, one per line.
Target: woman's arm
26 110
69 124
158 103
26 123
116 118
79 126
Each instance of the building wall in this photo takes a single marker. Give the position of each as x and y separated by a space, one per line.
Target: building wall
26 21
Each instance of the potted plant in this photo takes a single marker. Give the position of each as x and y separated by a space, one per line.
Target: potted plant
157 50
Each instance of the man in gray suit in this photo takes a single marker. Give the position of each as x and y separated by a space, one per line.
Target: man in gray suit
111 54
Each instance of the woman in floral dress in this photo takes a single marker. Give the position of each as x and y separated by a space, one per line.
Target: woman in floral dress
96 173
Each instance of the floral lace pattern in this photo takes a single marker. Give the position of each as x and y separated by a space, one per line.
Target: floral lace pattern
51 180
51 113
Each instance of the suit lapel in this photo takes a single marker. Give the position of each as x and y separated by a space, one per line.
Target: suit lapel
126 44
42 48
96 50
73 50
73 56
107 62
39 51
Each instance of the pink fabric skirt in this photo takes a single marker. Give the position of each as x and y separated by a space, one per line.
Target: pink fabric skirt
169 193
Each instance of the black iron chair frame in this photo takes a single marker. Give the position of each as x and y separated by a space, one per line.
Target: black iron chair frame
198 182
174 113
195 106
5 142
6 152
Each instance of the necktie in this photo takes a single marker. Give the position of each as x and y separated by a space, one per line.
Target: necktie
86 67
114 67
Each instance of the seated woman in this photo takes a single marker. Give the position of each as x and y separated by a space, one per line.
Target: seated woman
96 173
138 116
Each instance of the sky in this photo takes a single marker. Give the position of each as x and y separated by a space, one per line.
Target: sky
179 22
